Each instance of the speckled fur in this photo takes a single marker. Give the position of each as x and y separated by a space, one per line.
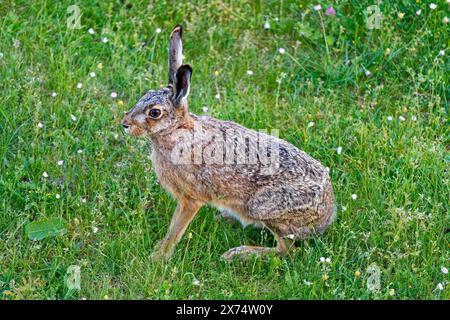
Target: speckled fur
294 201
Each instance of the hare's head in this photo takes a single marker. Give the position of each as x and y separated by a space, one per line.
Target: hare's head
161 111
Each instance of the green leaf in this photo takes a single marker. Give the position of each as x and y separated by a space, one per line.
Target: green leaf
38 230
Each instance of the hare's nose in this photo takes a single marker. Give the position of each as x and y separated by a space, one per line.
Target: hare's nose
125 126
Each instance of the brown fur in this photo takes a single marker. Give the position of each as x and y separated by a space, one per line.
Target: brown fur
293 200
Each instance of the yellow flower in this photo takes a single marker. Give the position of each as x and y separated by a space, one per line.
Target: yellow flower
400 15
325 277
100 66
388 51
391 292
216 73
120 103
357 273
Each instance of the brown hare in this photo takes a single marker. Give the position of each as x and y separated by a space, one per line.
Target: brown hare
252 176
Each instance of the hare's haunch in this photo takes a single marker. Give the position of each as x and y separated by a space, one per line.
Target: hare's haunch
254 177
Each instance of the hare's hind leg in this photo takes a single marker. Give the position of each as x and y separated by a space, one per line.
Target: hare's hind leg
283 247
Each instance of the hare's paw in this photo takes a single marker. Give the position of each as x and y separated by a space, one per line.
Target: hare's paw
160 252
245 252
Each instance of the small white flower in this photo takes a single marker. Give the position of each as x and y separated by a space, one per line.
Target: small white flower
282 50
433 6
249 72
414 118
367 73
440 286
190 235
196 282
205 109
91 31
83 200
401 118
390 118
354 196
339 150
1 55
344 208
79 85
44 174
40 125
57 196
441 52
418 12
266 25
92 74
73 118
291 236
60 162
54 94
217 96
444 270
310 124
158 30
328 260
445 20
94 229
307 283
113 95
104 39
317 7
322 259
80 151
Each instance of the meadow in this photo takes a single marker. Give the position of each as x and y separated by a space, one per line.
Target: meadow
366 93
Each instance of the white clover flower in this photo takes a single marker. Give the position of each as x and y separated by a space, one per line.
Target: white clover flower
54 94
282 50
79 85
328 260
217 96
354 196
441 53
104 39
196 282
158 30
339 150
44 174
91 31
79 151
94 229
310 124
390 118
322 259
73 118
40 125
113 95
205 109
444 270
317 7
367 73
92 74
249 72
414 118
418 12
83 200
60 162
57 196
401 118
440 286
433 6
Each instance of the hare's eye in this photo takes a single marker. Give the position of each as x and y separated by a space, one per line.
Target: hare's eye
155 113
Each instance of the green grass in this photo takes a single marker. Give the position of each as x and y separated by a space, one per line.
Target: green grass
398 169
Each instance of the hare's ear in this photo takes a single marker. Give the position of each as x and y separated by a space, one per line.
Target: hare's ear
175 53
182 85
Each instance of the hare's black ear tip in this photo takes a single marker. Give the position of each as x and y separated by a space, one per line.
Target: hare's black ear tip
186 67
178 29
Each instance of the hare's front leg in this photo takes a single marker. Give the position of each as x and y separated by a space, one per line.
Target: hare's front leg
184 213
